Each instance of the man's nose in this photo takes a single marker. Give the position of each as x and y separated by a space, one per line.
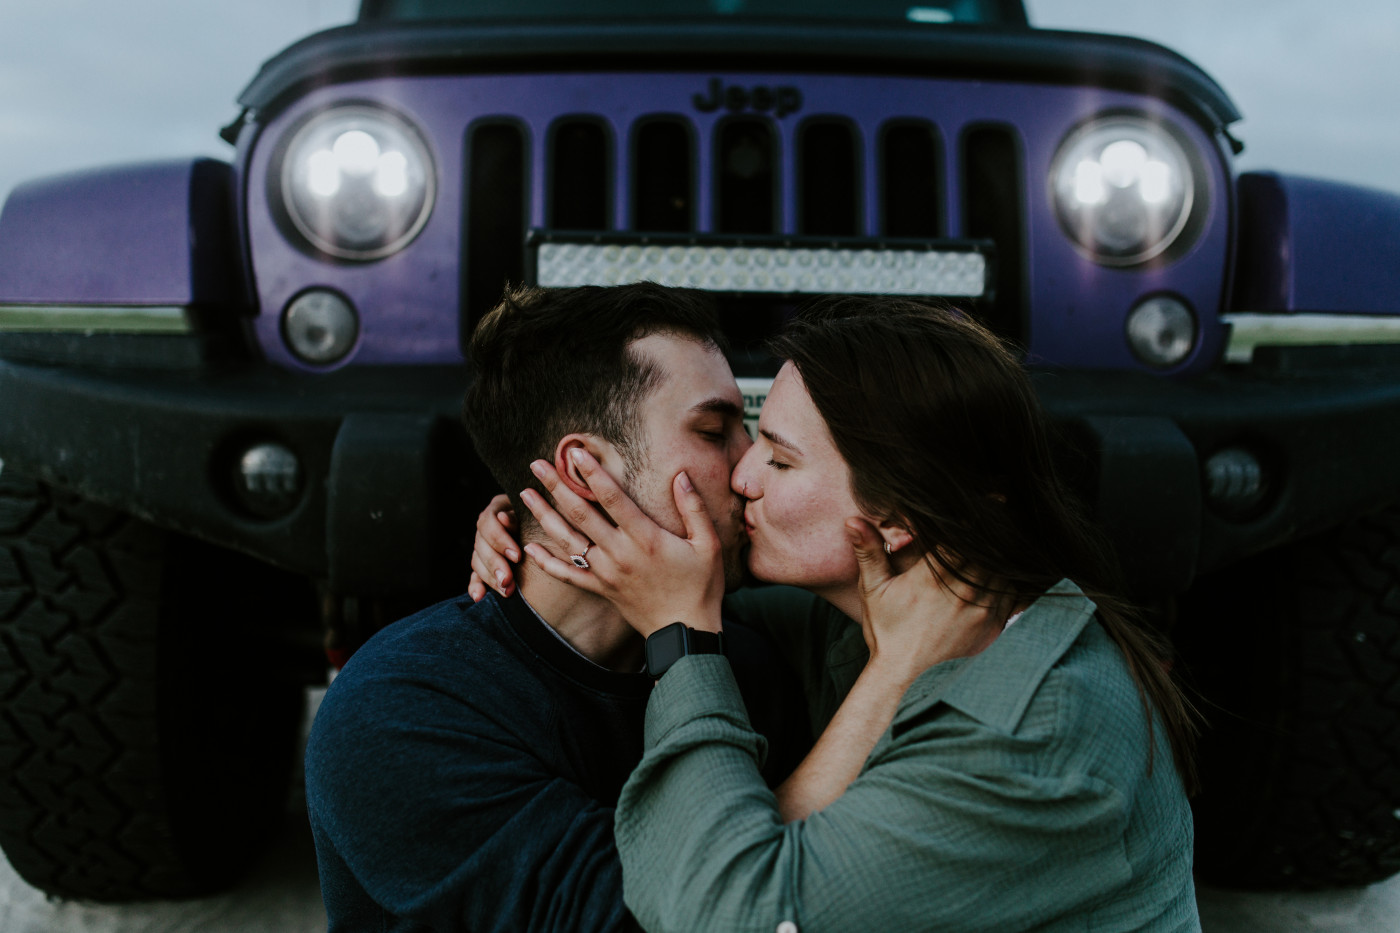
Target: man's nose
742 445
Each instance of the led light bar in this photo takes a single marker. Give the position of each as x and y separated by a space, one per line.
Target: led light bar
780 268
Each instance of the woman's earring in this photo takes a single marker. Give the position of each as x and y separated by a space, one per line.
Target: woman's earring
888 550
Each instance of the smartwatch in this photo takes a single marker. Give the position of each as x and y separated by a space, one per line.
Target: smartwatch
666 646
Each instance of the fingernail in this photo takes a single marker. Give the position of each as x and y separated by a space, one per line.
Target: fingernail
501 578
576 454
685 482
537 467
512 555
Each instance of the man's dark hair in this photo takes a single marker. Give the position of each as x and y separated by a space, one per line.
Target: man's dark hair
552 362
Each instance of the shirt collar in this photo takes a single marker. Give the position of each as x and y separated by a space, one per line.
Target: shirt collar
995 686
563 657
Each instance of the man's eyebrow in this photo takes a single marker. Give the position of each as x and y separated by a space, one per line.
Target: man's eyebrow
719 406
780 441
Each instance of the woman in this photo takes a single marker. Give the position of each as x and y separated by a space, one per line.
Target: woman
1001 733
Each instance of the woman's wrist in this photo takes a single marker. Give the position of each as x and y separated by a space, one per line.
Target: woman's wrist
895 668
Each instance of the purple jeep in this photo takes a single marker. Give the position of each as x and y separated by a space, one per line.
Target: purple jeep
229 391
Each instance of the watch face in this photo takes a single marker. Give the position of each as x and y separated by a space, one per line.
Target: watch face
664 647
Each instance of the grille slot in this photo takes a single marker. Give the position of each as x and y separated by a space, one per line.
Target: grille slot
663 176
909 180
992 209
580 189
496 209
919 189
828 177
745 177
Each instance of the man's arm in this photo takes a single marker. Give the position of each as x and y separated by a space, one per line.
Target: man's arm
443 815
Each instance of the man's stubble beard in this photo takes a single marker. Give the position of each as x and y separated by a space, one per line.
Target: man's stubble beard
735 551
733 540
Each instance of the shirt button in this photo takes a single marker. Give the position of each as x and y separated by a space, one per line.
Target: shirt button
787 926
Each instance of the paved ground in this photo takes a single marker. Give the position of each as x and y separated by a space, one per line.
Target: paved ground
281 896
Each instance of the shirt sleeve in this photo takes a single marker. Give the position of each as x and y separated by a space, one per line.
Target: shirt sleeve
943 822
482 841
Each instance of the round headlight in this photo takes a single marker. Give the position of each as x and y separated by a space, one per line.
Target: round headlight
357 182
1123 189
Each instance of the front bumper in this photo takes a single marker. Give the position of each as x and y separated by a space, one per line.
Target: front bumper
1324 422
392 488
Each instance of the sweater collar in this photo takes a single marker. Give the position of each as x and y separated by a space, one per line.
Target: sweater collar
558 654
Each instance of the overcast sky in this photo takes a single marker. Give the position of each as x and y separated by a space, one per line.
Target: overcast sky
93 82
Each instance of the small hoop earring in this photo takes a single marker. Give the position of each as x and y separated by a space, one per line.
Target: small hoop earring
888 550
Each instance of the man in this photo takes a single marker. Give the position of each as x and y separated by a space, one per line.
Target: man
462 770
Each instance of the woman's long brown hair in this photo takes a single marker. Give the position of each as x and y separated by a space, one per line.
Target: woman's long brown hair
943 434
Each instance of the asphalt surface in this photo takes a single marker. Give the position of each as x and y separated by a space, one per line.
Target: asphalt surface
281 895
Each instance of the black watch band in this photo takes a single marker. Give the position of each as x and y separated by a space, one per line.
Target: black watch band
666 646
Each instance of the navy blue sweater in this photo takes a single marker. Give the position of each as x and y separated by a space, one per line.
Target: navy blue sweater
462 771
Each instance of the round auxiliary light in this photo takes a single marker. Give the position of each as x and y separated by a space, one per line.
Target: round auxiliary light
1161 331
268 480
320 326
1234 480
357 182
1123 189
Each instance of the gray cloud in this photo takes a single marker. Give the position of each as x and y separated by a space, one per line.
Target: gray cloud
1317 82
86 82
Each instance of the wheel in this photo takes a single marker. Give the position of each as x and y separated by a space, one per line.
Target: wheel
1297 653
146 732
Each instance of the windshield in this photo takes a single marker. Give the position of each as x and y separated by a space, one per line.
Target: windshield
999 12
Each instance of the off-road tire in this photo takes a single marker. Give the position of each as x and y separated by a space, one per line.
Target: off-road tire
146 733
1298 654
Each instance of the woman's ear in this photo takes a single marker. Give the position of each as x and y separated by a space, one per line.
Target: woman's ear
896 536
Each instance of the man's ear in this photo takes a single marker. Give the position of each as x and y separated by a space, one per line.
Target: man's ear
564 464
896 536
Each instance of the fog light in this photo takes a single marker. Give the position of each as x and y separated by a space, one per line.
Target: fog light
268 480
1234 480
1162 331
320 326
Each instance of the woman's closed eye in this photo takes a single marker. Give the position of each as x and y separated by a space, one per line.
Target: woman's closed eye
779 465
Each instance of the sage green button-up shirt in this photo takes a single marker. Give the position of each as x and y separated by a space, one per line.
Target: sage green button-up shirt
1011 792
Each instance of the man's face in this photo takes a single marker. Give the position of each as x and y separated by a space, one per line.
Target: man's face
693 421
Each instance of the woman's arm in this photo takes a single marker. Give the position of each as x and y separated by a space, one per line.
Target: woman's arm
844 745
911 620
953 826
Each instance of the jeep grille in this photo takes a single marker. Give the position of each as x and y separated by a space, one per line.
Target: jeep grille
668 162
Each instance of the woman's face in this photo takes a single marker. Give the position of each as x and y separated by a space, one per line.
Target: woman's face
799 494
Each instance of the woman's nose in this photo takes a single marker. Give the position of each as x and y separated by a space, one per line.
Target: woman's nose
742 479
